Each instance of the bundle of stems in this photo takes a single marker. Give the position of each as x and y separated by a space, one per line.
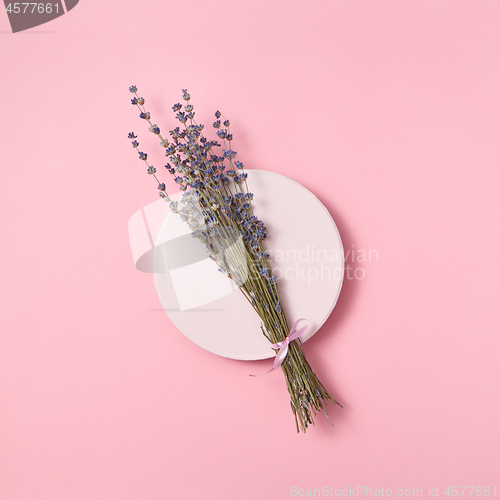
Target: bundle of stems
217 206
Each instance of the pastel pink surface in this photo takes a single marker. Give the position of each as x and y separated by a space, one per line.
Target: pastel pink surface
388 111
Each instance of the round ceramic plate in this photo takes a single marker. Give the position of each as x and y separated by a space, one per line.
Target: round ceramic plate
306 255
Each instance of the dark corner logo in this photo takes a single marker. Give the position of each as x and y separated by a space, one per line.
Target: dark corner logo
26 15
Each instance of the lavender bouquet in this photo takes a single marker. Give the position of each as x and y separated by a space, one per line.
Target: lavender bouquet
218 208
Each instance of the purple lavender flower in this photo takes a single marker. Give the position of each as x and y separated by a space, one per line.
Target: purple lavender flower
229 153
170 150
133 89
181 116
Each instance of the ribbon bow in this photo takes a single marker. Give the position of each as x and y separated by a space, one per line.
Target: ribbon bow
283 345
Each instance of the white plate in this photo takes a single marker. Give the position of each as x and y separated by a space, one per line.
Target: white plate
306 255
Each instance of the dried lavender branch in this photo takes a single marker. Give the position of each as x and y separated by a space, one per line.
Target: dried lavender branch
219 211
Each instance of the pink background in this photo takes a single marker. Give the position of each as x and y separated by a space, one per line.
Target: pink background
388 111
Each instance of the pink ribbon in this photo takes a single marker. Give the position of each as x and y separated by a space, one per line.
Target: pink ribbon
283 346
